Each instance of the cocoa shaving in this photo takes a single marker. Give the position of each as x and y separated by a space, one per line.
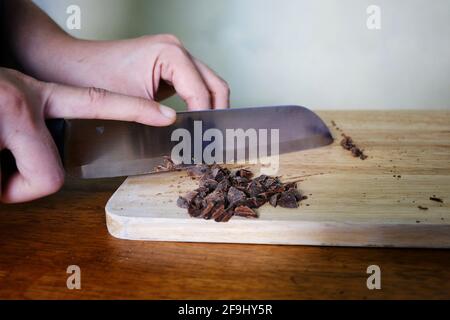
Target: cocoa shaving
348 144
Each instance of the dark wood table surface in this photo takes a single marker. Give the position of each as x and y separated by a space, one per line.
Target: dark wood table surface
39 240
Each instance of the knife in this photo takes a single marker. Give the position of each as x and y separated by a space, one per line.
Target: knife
106 148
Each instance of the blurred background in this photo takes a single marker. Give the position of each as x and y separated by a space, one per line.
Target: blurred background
316 53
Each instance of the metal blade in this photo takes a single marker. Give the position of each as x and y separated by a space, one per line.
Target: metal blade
105 148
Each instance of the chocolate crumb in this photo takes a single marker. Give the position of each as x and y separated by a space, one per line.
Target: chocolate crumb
436 199
348 144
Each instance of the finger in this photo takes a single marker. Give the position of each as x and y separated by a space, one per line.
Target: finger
220 92
94 103
176 67
39 169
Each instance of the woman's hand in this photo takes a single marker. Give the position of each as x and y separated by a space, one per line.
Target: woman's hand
152 67
25 103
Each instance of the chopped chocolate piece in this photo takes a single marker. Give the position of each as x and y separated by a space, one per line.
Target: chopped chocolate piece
244 211
255 188
271 182
194 212
274 199
183 203
255 202
216 196
217 211
244 173
210 184
235 195
207 210
288 199
240 182
348 144
295 193
220 173
224 217
436 199
223 185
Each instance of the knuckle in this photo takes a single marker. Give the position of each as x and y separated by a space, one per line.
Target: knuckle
170 38
220 87
96 95
224 87
175 52
13 102
199 96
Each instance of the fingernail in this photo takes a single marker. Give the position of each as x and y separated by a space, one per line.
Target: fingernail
167 112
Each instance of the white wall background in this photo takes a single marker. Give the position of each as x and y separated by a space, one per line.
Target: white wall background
316 53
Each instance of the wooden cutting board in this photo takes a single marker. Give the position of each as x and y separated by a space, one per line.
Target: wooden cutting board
350 202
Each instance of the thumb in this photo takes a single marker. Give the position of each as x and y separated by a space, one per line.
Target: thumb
92 103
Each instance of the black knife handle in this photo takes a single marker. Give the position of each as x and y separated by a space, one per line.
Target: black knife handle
57 128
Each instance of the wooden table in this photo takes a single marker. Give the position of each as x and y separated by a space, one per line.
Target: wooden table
39 240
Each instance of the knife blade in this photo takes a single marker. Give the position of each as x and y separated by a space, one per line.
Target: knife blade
106 148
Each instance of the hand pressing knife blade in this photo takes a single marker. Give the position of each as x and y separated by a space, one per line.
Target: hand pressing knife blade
105 148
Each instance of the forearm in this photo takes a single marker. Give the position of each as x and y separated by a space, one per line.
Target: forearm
37 43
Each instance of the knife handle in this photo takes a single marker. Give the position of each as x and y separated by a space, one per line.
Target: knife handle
7 161
57 129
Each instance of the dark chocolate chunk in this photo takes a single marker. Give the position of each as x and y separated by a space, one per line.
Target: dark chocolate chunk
244 211
207 210
255 188
223 185
210 184
274 199
235 195
217 211
247 174
288 199
224 216
183 203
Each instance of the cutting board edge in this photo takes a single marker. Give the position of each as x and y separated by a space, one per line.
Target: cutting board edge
280 232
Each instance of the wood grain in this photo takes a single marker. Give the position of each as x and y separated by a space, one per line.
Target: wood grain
39 240
351 202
